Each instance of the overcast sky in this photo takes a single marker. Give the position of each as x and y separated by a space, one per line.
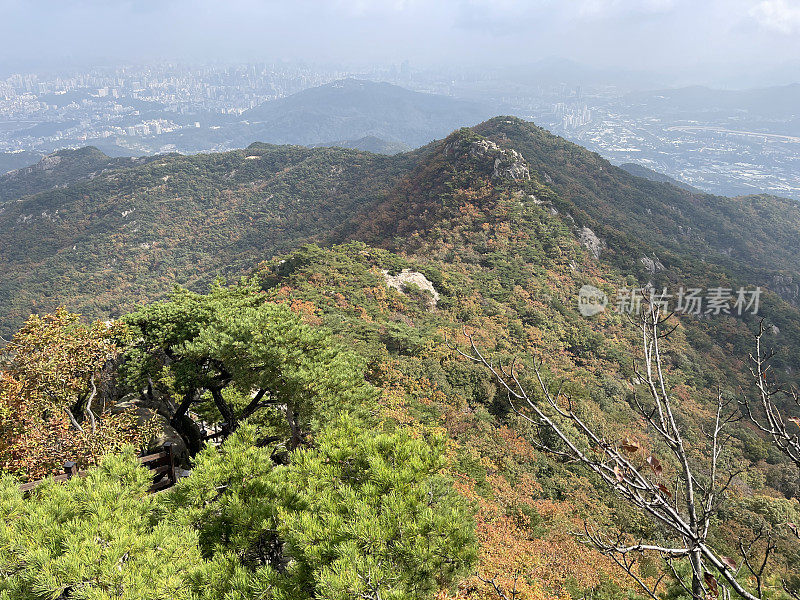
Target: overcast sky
704 38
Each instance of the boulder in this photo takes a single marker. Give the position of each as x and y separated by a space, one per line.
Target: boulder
407 276
164 433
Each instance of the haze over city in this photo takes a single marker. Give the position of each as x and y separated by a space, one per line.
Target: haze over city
735 43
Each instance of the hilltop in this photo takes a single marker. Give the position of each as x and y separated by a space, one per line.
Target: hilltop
351 109
338 113
59 169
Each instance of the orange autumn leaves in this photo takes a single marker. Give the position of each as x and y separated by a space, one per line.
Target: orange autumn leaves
525 540
52 363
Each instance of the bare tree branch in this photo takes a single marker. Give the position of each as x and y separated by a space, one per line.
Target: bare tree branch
763 412
498 590
686 512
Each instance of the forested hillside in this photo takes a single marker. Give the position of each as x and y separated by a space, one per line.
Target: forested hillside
644 172
365 455
104 245
59 169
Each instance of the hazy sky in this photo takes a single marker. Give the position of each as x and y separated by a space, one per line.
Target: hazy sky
706 36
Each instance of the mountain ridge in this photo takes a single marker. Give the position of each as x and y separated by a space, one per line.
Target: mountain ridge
258 196
59 169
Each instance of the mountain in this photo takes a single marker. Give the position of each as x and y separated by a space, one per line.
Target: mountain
757 235
59 169
127 234
106 243
351 113
369 143
651 175
492 231
352 109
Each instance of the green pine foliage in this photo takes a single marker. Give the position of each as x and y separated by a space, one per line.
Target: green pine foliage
94 539
361 513
233 345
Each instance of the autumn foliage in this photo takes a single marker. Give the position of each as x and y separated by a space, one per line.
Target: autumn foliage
54 364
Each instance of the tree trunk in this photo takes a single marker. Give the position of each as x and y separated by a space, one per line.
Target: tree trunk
698 593
226 411
183 407
291 417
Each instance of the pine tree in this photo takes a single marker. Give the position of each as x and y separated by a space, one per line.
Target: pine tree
92 538
362 514
249 356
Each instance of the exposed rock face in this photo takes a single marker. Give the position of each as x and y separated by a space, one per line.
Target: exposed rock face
46 164
653 265
160 411
787 286
506 164
535 200
481 148
407 276
592 243
511 165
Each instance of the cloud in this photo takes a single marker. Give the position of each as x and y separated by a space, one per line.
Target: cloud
654 35
617 8
778 15
369 7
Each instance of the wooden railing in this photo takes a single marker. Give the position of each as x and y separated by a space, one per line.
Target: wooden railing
161 464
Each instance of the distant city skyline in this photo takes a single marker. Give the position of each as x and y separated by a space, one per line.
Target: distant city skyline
729 43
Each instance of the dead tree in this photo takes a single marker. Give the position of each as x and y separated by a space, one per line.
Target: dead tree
765 412
683 506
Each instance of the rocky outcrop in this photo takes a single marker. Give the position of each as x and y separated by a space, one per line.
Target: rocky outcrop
152 408
505 163
481 148
406 277
48 163
511 165
591 242
652 265
787 286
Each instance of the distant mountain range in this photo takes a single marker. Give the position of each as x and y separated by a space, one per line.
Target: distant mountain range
368 143
351 113
351 109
